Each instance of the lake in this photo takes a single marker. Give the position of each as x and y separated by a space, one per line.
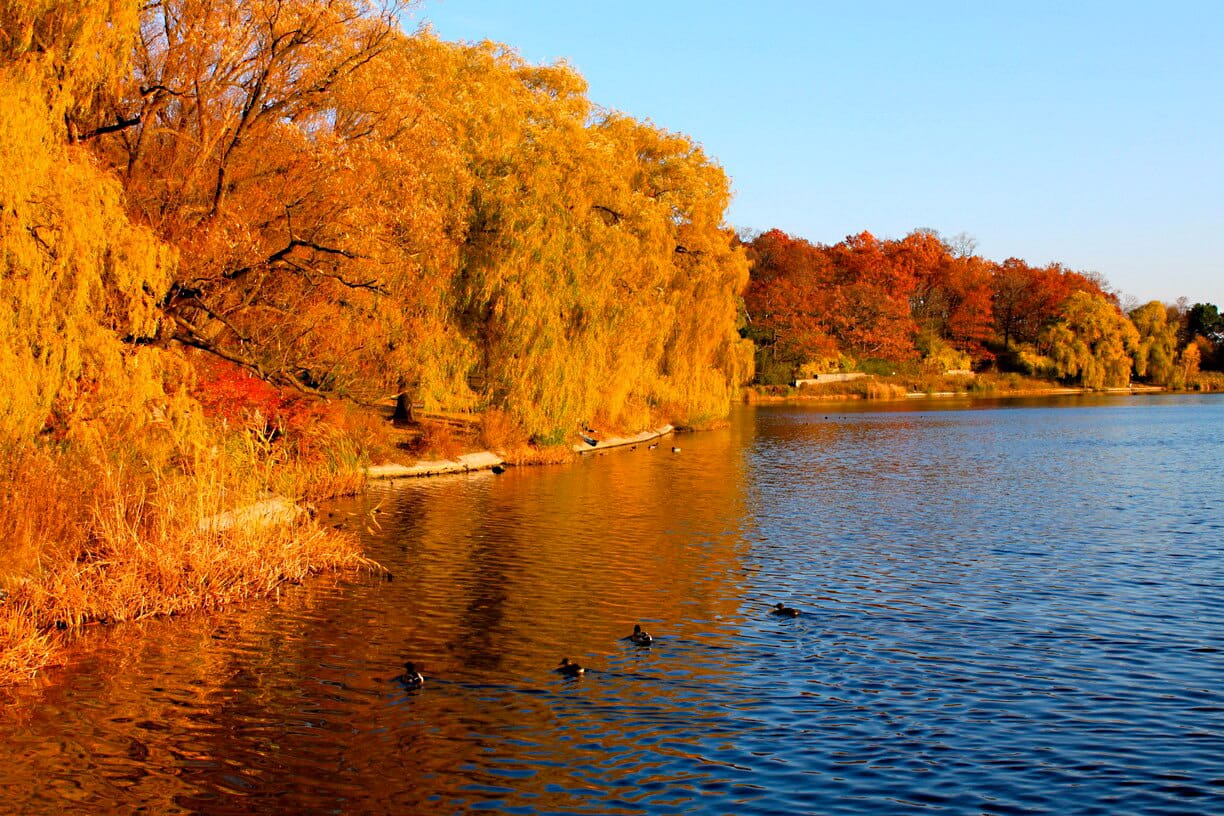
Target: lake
1007 607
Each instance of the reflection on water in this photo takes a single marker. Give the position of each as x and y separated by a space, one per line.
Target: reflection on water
1013 610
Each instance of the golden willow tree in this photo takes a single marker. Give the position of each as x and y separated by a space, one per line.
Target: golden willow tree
1092 342
77 277
597 280
1156 354
300 189
253 138
362 212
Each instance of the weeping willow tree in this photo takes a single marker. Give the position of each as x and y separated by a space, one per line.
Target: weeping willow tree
596 278
348 210
1092 342
262 139
79 278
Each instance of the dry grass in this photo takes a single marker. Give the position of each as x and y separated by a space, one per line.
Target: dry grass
98 536
499 432
1208 381
24 648
885 390
705 423
527 454
899 387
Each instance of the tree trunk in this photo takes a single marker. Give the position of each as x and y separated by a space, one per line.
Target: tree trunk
403 410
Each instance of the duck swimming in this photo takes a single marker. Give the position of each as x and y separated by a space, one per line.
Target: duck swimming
785 611
640 636
569 669
411 677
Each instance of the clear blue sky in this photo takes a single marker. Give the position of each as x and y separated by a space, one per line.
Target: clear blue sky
1090 133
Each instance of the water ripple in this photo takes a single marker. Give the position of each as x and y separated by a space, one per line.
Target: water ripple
1011 611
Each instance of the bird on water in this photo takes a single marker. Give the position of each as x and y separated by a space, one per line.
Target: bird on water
785 611
569 669
411 677
640 636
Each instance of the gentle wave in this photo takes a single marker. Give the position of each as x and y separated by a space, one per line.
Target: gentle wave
1004 611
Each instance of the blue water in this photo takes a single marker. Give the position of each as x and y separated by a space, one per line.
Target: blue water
1007 607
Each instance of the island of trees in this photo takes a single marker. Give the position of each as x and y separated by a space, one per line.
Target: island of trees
230 228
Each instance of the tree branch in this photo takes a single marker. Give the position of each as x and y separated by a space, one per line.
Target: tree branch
120 124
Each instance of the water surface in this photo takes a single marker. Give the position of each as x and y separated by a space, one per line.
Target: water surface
1008 607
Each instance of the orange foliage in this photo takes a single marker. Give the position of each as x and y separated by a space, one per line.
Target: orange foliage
864 298
230 392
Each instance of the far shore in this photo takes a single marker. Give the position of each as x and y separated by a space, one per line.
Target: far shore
1053 391
897 389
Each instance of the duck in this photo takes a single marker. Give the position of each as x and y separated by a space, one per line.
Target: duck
675 449
569 669
498 469
652 446
411 677
640 636
785 611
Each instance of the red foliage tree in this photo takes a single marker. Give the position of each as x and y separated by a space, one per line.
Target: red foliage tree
1027 298
788 298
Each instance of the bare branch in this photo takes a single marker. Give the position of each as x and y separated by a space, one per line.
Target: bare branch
120 124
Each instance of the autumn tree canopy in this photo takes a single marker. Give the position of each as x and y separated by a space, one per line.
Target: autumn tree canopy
304 190
813 308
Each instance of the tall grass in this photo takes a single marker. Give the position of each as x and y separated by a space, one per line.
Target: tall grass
95 533
1208 381
885 390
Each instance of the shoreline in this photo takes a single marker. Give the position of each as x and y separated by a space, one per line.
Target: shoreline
751 397
592 444
280 516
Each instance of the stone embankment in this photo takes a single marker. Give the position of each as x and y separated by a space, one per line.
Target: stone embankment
279 510
591 443
481 460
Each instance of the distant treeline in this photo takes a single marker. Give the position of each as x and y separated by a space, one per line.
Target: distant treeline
931 303
302 189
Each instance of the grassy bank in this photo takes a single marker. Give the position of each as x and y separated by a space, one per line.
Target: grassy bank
906 387
96 532
100 533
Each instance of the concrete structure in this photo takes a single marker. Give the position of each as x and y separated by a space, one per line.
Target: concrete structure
821 379
483 460
620 441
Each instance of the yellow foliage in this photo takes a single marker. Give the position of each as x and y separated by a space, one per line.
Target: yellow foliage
298 187
939 356
1156 349
1187 366
1092 341
78 277
597 277
72 50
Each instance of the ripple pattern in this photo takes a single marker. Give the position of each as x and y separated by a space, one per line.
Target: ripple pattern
1006 609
